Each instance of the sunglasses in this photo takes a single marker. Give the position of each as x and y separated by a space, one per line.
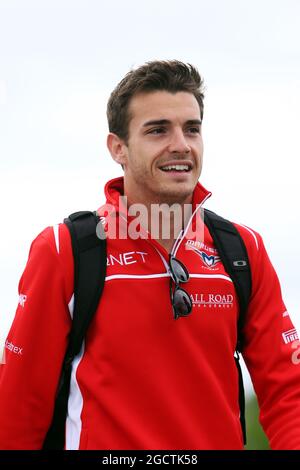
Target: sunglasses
181 300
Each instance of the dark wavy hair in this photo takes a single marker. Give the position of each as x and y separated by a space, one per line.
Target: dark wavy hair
171 76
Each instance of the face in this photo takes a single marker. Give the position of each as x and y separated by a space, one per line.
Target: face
162 160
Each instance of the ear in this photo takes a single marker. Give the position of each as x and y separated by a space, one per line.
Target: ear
117 148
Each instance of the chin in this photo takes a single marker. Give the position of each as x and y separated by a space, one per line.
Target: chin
176 195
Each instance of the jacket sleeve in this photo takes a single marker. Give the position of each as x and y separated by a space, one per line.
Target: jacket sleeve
34 349
272 355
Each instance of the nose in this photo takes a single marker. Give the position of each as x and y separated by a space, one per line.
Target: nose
178 142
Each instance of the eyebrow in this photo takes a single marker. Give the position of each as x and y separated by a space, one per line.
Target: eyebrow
162 122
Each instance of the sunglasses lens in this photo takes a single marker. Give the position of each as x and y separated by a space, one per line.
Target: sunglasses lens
182 303
178 271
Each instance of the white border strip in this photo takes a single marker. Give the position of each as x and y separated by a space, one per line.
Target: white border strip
75 405
165 263
211 276
155 276
75 401
252 233
56 236
181 238
135 276
183 234
71 306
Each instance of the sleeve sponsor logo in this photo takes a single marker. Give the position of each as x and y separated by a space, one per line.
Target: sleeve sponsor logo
296 354
22 299
290 336
14 349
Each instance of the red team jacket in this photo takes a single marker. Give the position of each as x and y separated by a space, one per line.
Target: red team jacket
144 380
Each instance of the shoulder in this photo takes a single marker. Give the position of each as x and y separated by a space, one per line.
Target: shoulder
52 250
257 253
251 237
55 237
262 270
53 244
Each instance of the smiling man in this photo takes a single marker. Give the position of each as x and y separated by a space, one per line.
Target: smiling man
157 368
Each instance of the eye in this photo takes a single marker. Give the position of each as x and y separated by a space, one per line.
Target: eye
194 130
157 130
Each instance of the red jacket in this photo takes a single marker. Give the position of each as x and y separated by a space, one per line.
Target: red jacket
144 380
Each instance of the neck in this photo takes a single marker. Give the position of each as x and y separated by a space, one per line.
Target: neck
163 220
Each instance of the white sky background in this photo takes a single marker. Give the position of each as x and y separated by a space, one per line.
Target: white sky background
59 61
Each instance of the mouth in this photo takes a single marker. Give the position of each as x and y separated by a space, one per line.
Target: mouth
184 167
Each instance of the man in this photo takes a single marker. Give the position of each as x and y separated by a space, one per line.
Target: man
152 374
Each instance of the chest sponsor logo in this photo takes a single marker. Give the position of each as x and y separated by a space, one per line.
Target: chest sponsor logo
212 300
124 259
290 336
209 256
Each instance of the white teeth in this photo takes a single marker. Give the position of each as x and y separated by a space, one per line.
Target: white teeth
176 168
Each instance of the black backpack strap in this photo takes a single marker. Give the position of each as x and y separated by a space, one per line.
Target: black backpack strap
233 253
89 251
